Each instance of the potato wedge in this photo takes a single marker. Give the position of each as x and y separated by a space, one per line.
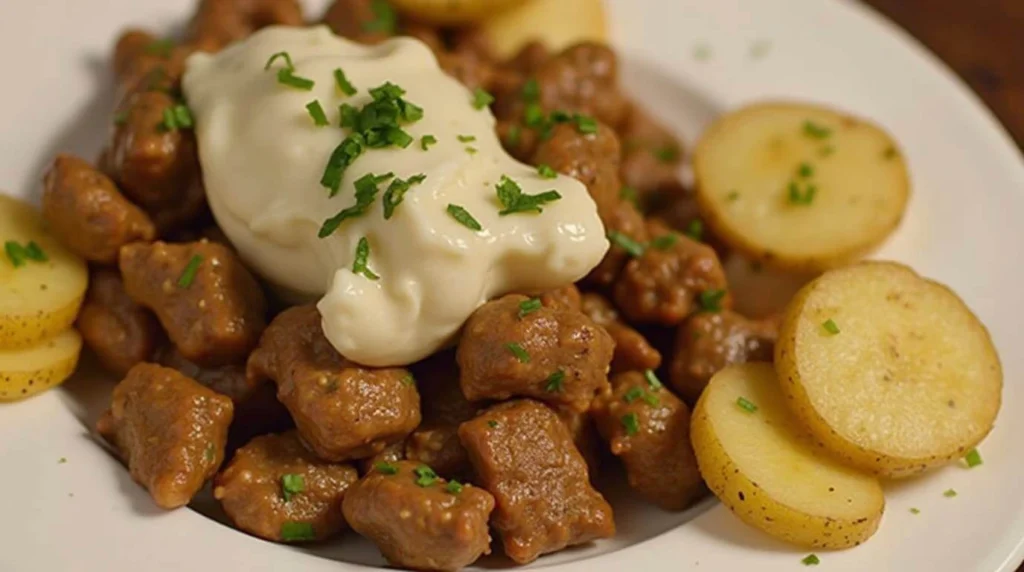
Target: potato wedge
556 23
764 467
37 299
800 187
24 372
903 378
450 12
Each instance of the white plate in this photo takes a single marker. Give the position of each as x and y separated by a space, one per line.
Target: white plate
688 58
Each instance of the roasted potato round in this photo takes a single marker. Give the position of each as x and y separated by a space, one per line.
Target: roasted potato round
761 464
556 23
447 12
41 286
27 371
890 371
800 187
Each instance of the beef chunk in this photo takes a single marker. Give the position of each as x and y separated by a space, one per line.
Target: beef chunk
88 214
143 62
584 435
218 23
120 332
390 454
435 443
649 429
274 486
709 341
343 411
632 350
567 297
418 520
363 21
211 307
651 154
557 355
169 429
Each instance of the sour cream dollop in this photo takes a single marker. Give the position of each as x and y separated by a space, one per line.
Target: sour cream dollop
263 157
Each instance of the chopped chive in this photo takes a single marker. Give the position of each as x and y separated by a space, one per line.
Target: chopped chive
366 193
426 141
161 48
453 487
554 381
481 98
890 153
462 216
585 124
292 484
652 379
811 560
512 137
702 52
546 172
667 154
530 306
514 200
62 460
973 458
316 111
362 257
695 229
628 194
121 117
651 399
816 131
631 424
745 404
425 476
287 77
176 117
471 150
915 510
949 493
384 18
665 241
805 170
492 423
634 393
711 300
830 326
297 531
634 248
827 150
531 90
342 82
466 138
385 468
732 196
395 193
804 198
408 379
287 61
533 115
518 351
188 275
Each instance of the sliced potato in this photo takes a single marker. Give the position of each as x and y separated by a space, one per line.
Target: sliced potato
910 381
556 23
762 465
25 372
448 12
37 299
800 187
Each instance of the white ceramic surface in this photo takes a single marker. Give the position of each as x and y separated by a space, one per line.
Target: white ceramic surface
689 59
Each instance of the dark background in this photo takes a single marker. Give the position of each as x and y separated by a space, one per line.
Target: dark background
982 40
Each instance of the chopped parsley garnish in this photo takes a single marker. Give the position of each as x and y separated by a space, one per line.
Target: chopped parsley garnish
651 399
471 150
915 510
385 468
366 193
395 193
585 124
634 393
811 560
297 531
628 194
805 170
62 460
513 200
533 115
531 90
462 216
292 484
177 117
492 424
667 154
665 241
161 48
288 65
695 229
316 111
546 172
426 141
453 487
512 137
949 493
384 18
342 82
188 276
652 379
631 424
466 138
481 98
973 458
634 248
517 350
745 404
553 384
19 255
425 476
408 379
816 131
711 300
732 196
804 198
830 326
287 77
359 266
530 306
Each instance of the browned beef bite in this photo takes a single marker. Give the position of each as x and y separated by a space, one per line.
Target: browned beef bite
342 410
169 429
567 297
651 154
632 350
218 23
435 443
120 332
360 20
274 488
417 519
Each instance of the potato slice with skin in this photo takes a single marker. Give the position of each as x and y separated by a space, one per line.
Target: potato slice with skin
24 372
448 12
764 467
910 381
37 299
746 163
556 23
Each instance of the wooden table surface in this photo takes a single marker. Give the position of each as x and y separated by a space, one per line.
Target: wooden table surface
982 40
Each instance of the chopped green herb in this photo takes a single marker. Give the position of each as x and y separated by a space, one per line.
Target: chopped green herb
408 379
695 229
531 90
492 423
463 217
651 399
631 424
385 468
633 393
530 306
62 460
297 532
533 115
453 487
395 193
18 254
667 154
702 52
176 117
584 123
804 198
816 131
366 193
634 248
513 200
284 55
546 172
628 194
343 155
517 350
811 560
732 196
554 381
349 115
384 18
210 452
830 326
362 258
665 241
292 484
471 150
287 77
512 137
161 48
426 141
652 379
481 98
188 275
425 476
711 300
466 138
827 150
973 458
805 170
316 111
121 117
745 404
914 510
890 153
342 82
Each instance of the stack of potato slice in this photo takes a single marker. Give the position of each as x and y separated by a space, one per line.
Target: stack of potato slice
40 294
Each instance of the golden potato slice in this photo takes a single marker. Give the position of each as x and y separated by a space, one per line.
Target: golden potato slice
448 12
800 187
37 299
762 465
24 372
556 23
890 371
